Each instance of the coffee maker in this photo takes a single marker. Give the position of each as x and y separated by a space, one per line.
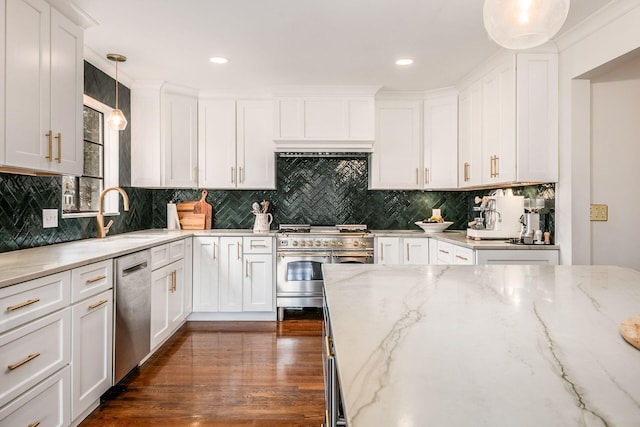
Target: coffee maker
530 231
500 217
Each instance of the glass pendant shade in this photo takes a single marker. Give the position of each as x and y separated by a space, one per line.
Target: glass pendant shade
117 120
523 24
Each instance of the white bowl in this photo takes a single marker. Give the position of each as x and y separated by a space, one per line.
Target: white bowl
434 227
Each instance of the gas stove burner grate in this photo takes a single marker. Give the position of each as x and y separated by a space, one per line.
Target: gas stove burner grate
294 228
352 228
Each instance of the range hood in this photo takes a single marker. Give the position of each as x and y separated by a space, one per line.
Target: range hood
307 146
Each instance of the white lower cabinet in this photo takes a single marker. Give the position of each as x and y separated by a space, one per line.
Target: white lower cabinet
167 301
450 254
402 250
46 404
518 257
92 350
233 274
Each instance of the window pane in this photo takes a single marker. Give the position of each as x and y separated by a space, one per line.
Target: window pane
69 194
93 160
92 125
89 193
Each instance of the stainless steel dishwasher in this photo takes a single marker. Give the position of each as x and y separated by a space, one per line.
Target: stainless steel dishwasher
133 312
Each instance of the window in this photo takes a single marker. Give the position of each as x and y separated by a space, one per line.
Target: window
80 194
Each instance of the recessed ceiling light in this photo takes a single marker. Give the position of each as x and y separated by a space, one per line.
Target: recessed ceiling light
404 61
218 60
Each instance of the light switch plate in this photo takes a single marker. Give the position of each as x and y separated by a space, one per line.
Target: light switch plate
49 218
599 212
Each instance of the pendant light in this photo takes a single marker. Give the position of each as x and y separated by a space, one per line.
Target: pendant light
523 24
116 119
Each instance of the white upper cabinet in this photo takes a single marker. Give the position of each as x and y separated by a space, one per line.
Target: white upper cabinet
164 140
440 165
236 148
325 118
509 121
43 60
416 146
395 162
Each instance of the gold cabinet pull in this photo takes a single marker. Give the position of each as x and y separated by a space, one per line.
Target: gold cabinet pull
258 245
241 175
233 175
417 182
496 161
408 253
23 304
246 268
36 424
238 250
94 279
59 138
327 344
381 251
49 136
443 251
27 359
98 304
214 250
462 258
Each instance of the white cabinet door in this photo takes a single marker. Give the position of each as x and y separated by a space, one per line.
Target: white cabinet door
416 250
258 282
176 295
519 257
230 279
161 282
43 86
255 146
499 124
92 350
463 256
217 144
180 140
440 166
206 267
395 162
388 250
188 276
470 136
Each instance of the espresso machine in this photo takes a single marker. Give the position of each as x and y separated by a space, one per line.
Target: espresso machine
499 217
530 232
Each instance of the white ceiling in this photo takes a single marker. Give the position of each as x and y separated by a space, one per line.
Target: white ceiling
297 42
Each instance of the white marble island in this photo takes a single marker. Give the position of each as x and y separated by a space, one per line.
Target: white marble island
484 345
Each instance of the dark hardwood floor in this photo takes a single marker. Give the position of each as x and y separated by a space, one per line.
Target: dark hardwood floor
226 374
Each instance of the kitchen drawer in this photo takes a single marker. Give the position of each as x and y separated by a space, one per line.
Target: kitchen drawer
463 256
445 253
91 280
33 352
166 254
257 245
47 404
26 301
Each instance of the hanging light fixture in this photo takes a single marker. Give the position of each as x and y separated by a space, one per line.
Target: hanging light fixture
523 24
116 119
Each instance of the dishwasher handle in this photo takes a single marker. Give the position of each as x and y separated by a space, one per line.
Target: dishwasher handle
133 269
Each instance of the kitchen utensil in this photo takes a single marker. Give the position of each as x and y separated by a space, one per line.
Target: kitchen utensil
255 208
433 227
202 207
630 330
193 221
265 206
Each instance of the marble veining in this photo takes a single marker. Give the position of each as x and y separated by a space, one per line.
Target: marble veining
485 345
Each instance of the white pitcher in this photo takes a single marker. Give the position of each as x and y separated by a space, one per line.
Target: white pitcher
262 223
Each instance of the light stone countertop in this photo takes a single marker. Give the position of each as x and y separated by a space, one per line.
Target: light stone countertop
459 237
485 345
27 264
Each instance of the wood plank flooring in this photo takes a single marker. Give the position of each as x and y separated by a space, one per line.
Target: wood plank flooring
225 374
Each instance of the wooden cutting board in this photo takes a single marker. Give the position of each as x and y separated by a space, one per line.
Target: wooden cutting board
630 330
202 207
192 221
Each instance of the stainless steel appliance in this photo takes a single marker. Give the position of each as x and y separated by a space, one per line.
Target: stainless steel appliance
132 340
501 217
302 249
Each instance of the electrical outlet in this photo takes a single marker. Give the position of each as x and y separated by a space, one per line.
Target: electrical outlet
599 212
49 218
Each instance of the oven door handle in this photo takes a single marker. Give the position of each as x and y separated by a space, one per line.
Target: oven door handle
303 254
353 255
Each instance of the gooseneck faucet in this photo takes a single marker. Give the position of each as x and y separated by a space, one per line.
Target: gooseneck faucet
101 229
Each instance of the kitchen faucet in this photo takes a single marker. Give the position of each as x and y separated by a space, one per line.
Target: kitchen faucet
101 229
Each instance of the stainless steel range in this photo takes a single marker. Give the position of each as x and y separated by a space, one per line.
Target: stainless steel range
302 249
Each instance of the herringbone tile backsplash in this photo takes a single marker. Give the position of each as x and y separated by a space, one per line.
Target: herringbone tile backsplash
315 190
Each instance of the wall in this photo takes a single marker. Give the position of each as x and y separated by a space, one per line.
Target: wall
615 156
599 40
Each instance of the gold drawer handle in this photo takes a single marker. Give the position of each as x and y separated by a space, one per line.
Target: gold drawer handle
258 245
98 304
29 358
443 251
23 304
461 257
36 424
59 138
95 279
49 136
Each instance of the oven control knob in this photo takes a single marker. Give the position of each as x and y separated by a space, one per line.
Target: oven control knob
318 243
340 244
363 244
333 243
295 243
356 244
325 243
309 243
